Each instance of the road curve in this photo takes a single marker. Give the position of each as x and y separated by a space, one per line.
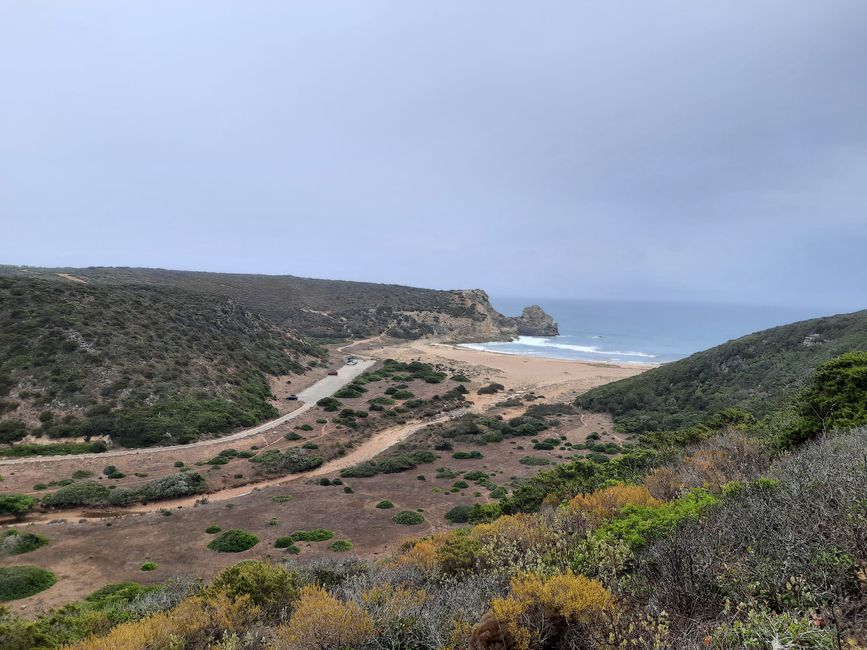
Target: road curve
325 387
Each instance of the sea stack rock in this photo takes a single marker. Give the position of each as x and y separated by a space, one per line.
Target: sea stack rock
535 322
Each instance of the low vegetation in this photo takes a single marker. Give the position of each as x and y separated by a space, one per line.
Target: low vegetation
233 541
21 581
759 374
141 364
15 542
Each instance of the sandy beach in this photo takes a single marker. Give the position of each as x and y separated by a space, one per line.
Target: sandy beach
560 379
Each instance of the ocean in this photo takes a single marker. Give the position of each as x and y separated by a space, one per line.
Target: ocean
639 332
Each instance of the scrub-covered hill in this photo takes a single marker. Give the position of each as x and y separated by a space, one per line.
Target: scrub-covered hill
141 363
758 373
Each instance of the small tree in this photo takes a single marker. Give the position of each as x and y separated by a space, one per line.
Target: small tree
17 505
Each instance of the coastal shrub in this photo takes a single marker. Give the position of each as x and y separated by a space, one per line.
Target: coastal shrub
445 472
283 542
459 514
329 404
213 529
54 449
466 455
408 518
314 535
266 585
460 485
292 436
289 461
148 566
534 460
121 497
637 524
350 391
321 621
389 465
310 445
402 394
282 498
112 472
23 580
476 475
460 378
341 545
234 541
13 542
173 486
16 505
385 505
490 389
85 493
305 427
81 473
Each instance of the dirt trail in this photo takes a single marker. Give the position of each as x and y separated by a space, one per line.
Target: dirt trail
367 450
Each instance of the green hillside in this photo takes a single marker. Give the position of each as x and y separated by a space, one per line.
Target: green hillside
758 373
137 362
312 307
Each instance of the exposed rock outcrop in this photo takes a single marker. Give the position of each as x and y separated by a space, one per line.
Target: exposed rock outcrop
534 321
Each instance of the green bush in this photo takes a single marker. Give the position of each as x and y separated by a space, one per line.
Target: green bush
13 542
234 541
282 498
637 525
341 545
213 529
466 455
315 535
389 465
268 586
292 436
283 542
385 505
534 460
289 461
17 505
85 493
408 518
459 514
148 566
22 581
175 485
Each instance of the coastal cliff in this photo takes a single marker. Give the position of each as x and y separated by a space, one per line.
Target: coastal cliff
327 309
470 317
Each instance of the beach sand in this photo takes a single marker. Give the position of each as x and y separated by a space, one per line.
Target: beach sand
556 379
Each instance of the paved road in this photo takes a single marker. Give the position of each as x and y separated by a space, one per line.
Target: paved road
325 387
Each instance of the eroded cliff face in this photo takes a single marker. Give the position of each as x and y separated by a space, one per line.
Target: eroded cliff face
470 317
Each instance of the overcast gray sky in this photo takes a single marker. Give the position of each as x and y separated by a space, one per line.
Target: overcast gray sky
678 150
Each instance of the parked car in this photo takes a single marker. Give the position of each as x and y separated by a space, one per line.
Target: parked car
332 372
292 398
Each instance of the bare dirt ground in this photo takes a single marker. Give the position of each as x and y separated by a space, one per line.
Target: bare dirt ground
87 552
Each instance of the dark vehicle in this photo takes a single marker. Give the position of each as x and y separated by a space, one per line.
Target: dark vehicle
332 372
292 398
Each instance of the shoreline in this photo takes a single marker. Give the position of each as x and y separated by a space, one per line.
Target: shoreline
642 365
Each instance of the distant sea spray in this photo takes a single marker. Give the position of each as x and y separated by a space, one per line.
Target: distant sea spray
553 348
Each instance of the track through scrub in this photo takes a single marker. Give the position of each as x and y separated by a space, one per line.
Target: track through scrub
325 387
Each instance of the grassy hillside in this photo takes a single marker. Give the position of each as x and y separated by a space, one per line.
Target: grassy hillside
136 362
315 308
757 373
